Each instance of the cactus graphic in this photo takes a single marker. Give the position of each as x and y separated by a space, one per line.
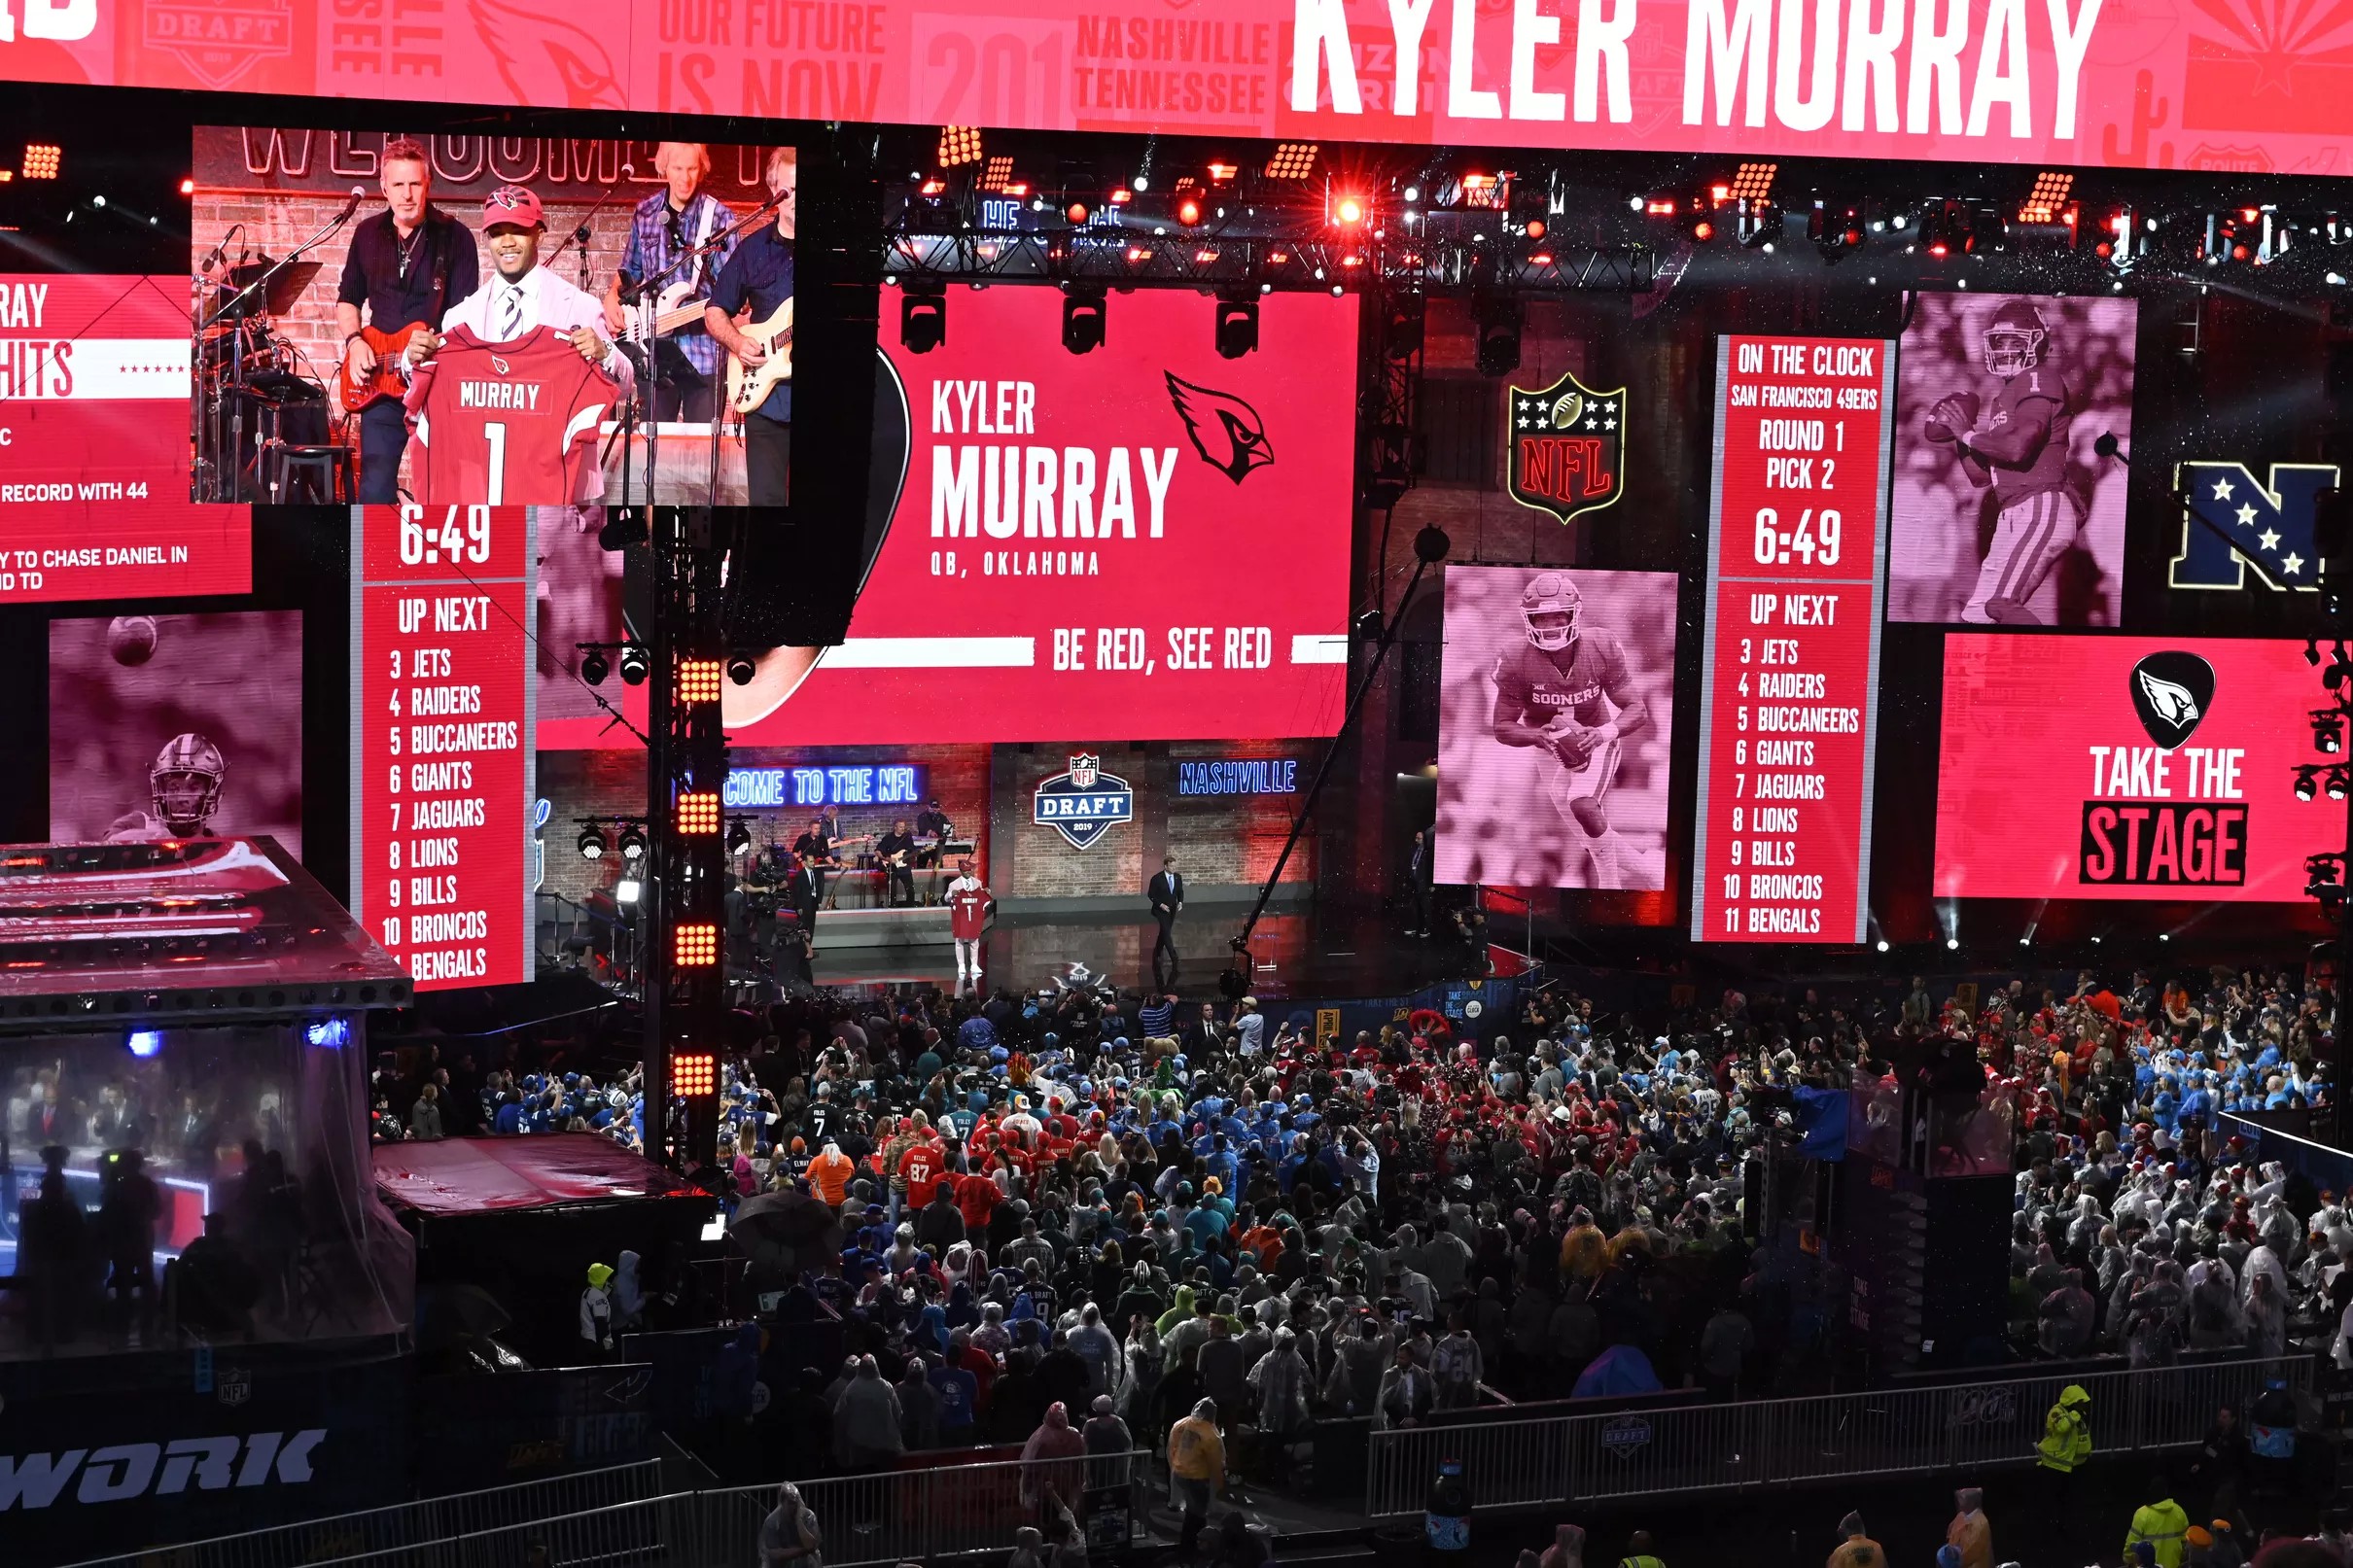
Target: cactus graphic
2144 120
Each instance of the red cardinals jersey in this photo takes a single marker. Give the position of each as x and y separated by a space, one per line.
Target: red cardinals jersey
511 423
968 909
2040 400
1539 686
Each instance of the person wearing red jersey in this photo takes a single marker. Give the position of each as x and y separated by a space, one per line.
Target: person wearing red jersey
921 1166
1571 692
525 433
2017 440
968 907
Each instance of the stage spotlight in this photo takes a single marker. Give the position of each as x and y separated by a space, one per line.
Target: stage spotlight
1188 211
2308 781
1082 319
594 667
1237 325
959 145
1951 944
592 843
632 842
1880 944
1078 212
1349 211
1753 183
1703 230
738 838
698 813
1292 161
635 665
923 317
2338 785
2047 202
1535 228
627 890
2312 652
1498 317
2328 731
42 161
741 668
188 186
145 1043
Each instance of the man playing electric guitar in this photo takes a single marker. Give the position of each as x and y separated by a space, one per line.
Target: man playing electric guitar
665 225
896 849
759 275
407 265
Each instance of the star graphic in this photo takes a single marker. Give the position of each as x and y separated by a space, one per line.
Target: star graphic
1609 423
2222 490
2246 516
2269 539
2290 564
1589 422
1523 422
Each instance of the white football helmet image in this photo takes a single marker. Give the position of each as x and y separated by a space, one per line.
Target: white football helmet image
1551 604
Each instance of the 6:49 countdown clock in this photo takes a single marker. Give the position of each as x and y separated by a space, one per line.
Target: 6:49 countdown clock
1796 565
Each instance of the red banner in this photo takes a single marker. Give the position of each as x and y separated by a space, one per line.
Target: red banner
1797 563
2241 84
441 755
2127 767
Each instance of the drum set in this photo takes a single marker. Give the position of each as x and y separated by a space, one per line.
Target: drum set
262 431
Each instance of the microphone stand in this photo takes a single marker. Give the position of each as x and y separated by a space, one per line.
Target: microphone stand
237 302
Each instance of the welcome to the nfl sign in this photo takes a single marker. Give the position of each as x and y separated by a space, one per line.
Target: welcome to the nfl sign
1083 803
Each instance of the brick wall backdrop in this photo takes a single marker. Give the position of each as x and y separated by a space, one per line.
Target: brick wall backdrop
1221 841
612 783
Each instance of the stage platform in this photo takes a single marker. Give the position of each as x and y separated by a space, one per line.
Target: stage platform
867 929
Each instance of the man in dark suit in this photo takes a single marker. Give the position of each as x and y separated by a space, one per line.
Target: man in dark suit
1166 891
1418 884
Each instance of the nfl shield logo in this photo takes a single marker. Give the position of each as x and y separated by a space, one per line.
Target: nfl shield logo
1083 770
237 1385
1565 442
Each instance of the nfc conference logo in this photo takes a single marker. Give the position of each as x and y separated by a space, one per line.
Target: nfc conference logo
1084 803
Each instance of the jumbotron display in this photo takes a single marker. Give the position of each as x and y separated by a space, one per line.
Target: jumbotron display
2127 767
1147 540
1797 559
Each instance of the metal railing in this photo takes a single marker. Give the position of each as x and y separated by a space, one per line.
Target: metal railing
884 1516
344 1536
1774 1443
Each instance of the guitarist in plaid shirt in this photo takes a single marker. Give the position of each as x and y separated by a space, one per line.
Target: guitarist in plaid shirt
665 225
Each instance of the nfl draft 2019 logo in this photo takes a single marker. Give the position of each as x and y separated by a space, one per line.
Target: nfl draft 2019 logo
1566 442
1084 803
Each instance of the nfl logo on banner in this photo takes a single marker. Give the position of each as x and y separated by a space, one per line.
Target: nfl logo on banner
1084 803
2231 520
1566 441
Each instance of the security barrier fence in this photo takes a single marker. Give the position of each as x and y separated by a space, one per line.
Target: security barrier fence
404 1524
882 1517
1688 1448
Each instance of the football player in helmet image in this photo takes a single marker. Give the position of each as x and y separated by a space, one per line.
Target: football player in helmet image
185 785
1568 692
2016 441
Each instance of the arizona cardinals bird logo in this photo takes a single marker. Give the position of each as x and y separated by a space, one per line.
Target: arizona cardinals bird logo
1226 431
2174 703
545 61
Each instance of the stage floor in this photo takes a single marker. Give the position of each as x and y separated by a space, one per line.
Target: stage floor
1310 954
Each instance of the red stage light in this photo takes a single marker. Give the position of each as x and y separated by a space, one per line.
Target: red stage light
694 1074
1703 230
1351 210
188 186
1188 212
695 946
2238 252
1940 249
1122 197
1535 228
1077 213
1540 259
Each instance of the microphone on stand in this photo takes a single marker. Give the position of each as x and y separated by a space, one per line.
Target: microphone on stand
358 196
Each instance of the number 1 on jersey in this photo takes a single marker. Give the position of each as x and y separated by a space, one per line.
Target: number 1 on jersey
494 433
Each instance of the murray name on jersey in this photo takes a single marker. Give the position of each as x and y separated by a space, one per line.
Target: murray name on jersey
513 396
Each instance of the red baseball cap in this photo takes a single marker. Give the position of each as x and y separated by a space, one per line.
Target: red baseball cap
512 204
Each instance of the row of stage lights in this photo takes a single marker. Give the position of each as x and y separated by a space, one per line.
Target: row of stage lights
697 679
1742 208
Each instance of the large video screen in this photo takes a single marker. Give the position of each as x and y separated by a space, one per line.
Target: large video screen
176 727
1148 539
484 354
2127 767
2013 421
1557 708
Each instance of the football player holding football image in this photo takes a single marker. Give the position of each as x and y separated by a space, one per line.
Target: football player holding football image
2013 437
1567 690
